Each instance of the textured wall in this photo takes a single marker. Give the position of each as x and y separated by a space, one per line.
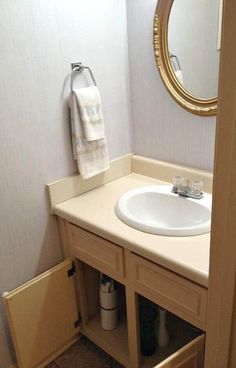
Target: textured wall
38 40
161 128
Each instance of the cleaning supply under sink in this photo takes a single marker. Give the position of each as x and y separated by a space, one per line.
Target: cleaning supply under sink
108 303
163 337
148 338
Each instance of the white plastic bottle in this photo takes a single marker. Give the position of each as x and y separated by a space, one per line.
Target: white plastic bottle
163 336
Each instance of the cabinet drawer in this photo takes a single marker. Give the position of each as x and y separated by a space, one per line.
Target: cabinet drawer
178 295
96 252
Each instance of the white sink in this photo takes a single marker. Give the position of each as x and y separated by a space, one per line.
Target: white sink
156 210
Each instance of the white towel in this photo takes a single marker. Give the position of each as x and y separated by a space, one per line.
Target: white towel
91 156
89 102
179 76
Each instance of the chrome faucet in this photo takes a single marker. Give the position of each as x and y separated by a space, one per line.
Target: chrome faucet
187 188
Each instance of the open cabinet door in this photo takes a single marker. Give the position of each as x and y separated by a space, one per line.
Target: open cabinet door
43 315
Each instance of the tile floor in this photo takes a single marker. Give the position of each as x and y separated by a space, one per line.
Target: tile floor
84 354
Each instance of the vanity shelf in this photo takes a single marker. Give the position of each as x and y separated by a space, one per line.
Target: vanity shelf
114 342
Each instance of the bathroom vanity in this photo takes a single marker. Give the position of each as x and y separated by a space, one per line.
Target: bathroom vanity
136 276
63 303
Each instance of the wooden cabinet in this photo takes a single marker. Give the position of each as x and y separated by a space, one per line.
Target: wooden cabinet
43 316
174 293
97 252
47 313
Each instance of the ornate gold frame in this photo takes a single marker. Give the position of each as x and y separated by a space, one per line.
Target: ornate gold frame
198 106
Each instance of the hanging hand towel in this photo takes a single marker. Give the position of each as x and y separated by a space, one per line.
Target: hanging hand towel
89 103
91 156
179 76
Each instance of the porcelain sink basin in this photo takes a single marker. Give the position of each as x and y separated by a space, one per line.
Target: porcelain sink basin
156 210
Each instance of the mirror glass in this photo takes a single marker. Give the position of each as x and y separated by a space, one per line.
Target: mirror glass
194 32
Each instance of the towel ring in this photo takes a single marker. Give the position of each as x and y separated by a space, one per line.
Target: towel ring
78 67
174 57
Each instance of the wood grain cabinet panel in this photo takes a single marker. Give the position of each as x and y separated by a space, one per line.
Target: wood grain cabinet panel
43 315
173 292
97 252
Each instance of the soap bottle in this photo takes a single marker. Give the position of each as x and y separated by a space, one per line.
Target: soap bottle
163 336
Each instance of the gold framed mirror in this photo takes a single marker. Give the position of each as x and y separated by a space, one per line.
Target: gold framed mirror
196 105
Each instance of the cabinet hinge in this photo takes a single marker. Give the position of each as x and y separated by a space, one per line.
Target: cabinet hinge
72 270
77 323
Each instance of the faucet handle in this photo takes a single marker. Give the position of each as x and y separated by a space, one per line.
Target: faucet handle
187 188
177 182
196 187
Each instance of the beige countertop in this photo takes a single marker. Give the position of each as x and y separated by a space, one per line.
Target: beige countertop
94 211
